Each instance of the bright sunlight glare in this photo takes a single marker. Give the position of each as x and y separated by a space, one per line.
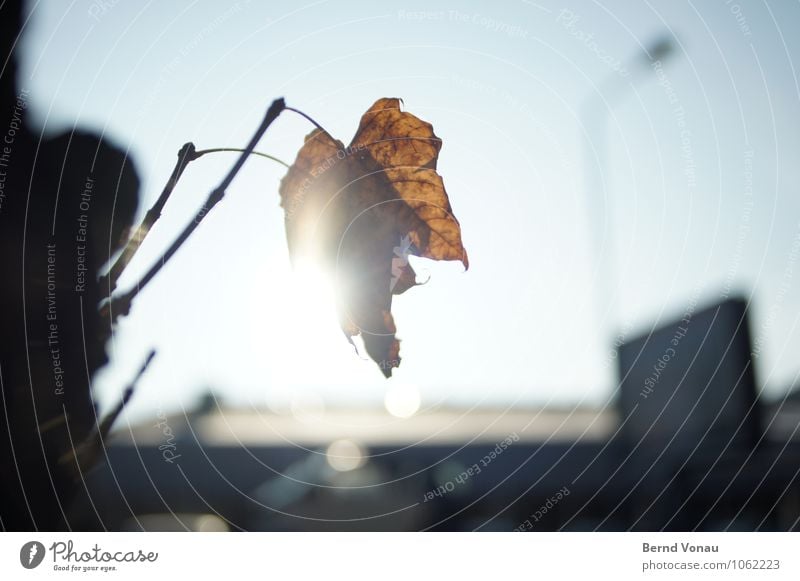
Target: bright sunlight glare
302 312
402 401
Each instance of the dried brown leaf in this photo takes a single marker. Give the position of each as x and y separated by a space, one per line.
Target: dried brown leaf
363 209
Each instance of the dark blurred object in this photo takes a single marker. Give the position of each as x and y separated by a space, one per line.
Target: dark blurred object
67 204
687 388
690 415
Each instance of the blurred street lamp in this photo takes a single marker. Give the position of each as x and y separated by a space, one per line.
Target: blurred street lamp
660 49
594 115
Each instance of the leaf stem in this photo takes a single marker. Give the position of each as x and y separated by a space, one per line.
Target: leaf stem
308 118
238 149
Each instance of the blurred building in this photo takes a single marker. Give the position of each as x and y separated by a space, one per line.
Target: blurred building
488 469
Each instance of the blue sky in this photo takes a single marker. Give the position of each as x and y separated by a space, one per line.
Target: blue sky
593 202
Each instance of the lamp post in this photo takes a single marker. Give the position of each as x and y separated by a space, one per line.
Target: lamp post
594 114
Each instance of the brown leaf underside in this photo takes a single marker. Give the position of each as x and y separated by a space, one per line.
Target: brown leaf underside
363 209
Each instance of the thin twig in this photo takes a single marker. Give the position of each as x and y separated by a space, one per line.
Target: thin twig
85 454
105 425
121 305
186 154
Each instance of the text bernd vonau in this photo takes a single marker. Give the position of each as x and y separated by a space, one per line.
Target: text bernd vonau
679 547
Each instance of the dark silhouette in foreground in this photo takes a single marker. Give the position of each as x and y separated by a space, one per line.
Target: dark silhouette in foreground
67 204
